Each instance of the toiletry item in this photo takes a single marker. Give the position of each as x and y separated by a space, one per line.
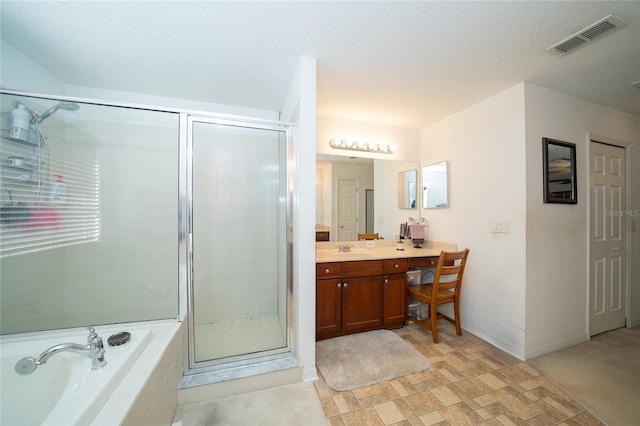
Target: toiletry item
16 161
58 192
400 245
20 119
42 217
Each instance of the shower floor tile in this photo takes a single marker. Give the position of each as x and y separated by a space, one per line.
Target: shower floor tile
236 337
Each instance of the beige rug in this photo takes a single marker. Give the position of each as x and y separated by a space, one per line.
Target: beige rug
363 359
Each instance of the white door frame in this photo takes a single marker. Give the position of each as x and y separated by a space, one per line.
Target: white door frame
628 231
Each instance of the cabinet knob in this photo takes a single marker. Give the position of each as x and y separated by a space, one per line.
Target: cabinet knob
339 285
395 265
345 285
326 271
386 280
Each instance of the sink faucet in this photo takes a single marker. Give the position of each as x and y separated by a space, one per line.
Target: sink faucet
94 350
344 248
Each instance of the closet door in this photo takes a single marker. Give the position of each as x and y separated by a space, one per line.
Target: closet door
607 263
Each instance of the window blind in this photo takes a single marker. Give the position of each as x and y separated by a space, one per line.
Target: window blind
50 194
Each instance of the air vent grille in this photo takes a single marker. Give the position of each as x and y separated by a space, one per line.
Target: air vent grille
572 43
598 30
595 31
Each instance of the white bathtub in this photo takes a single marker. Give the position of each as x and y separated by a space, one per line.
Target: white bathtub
65 390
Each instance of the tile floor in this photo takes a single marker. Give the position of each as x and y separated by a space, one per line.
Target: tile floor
469 382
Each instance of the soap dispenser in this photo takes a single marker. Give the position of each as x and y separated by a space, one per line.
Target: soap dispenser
58 193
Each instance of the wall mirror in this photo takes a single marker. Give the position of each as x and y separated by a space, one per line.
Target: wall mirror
358 195
434 186
559 171
407 189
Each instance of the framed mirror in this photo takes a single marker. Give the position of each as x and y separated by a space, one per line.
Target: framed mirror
559 171
434 186
407 192
375 208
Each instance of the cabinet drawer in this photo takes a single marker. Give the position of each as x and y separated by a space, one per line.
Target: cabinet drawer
394 266
423 262
364 268
328 270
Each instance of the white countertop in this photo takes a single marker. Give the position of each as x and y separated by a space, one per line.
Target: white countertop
383 249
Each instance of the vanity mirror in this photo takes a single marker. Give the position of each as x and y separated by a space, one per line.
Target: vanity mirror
407 189
434 186
358 195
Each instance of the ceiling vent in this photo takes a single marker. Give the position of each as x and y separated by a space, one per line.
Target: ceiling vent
593 32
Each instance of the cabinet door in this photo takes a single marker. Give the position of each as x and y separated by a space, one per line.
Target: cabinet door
328 305
394 296
361 303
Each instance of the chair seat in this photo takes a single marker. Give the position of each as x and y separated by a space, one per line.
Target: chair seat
423 293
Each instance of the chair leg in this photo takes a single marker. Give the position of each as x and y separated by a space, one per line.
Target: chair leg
456 310
433 317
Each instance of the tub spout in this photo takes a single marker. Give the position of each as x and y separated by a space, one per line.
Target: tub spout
62 347
94 350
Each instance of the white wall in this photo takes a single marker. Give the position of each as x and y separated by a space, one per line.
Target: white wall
17 72
118 96
406 140
300 108
484 145
526 291
557 235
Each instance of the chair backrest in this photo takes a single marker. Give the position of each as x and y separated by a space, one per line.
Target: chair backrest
449 271
368 236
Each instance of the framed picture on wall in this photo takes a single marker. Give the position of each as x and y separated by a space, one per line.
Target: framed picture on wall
559 171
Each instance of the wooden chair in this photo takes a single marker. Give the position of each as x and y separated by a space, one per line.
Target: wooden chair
368 236
446 286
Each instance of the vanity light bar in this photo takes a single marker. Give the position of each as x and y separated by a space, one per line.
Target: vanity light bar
362 146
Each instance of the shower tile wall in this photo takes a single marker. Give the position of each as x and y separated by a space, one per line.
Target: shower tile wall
234 276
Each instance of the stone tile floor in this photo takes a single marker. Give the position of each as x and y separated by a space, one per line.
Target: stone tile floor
470 382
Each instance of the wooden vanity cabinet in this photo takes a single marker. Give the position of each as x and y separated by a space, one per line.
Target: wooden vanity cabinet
394 292
359 296
422 262
328 298
322 235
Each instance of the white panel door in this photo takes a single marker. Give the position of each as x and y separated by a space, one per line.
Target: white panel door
607 266
347 209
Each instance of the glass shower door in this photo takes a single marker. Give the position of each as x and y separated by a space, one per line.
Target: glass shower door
240 252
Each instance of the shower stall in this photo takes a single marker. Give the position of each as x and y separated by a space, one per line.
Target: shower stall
113 213
239 250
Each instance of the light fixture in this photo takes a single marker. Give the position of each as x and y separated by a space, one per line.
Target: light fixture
365 146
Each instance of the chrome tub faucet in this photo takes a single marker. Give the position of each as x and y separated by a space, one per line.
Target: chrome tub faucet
94 350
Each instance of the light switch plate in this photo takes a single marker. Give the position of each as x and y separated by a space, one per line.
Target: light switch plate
501 226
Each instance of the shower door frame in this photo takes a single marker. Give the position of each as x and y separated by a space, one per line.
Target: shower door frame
186 134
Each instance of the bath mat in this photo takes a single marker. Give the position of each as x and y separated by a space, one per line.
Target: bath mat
363 359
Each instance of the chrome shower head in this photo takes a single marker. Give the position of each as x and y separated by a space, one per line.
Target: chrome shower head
67 106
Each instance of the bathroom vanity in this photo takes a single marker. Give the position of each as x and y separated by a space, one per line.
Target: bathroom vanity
365 288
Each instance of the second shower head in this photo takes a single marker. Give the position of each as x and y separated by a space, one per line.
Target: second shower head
67 106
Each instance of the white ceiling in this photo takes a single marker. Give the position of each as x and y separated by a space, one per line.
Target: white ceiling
405 64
